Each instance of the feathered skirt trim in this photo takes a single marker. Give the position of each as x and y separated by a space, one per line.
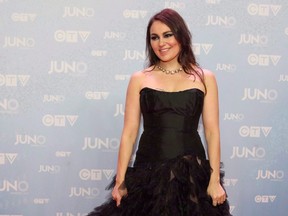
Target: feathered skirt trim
176 187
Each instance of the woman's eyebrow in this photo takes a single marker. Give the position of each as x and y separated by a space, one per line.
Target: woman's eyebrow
162 33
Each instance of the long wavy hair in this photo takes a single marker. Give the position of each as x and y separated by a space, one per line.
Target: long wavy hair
182 34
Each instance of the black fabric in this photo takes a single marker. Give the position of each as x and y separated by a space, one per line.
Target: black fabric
170 174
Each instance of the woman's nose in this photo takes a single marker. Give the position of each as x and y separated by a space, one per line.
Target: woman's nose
161 41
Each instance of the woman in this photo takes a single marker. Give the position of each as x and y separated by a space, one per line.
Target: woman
171 175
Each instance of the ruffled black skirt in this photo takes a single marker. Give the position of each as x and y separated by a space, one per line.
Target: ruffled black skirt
176 187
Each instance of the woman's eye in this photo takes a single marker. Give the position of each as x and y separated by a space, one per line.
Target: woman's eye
168 35
153 38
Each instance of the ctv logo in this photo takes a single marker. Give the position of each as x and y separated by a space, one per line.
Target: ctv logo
134 14
230 182
95 174
90 95
7 158
122 77
265 198
99 53
23 17
254 131
263 9
199 48
59 120
12 80
263 60
71 36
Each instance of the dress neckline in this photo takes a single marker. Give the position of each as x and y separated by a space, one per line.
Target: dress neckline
171 92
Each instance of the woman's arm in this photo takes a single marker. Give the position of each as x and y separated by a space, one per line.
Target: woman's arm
210 117
129 134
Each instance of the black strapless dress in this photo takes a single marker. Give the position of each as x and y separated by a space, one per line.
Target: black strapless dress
170 175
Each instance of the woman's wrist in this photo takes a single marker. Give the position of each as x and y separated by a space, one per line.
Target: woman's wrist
215 177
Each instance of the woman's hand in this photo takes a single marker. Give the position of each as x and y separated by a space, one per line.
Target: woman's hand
217 193
118 192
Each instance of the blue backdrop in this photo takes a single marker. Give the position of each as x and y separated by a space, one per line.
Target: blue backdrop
64 69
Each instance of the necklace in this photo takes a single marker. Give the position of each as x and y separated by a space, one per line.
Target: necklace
172 72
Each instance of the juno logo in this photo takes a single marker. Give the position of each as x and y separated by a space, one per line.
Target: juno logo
107 144
226 67
14 186
67 67
174 5
84 192
78 12
252 154
30 139
220 21
260 95
253 39
119 110
9 105
283 78
134 55
275 175
114 35
19 42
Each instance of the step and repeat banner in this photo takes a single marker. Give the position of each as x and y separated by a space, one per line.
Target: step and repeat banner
64 69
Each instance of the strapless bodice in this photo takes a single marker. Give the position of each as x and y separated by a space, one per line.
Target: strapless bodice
170 123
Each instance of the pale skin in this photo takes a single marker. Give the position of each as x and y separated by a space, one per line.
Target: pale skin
166 47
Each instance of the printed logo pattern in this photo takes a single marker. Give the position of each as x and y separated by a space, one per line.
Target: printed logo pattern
64 70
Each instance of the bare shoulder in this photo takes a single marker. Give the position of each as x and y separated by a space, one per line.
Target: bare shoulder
208 73
209 77
138 77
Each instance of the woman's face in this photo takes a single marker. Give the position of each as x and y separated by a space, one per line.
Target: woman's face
163 42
